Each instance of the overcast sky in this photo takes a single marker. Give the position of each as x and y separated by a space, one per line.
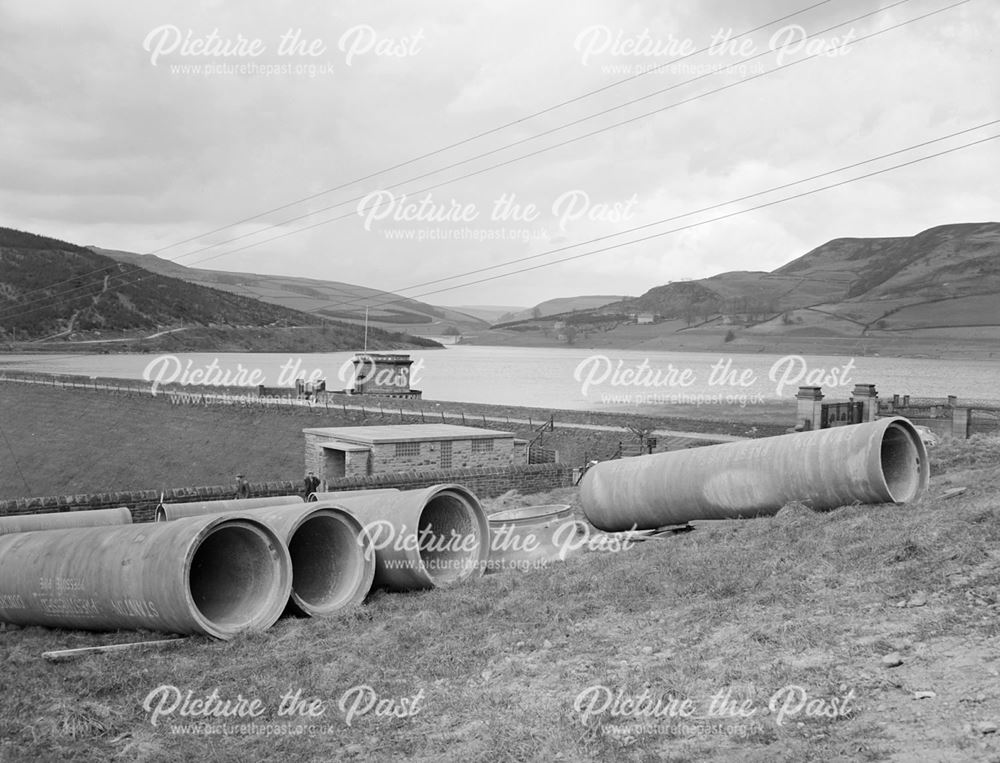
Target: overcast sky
136 126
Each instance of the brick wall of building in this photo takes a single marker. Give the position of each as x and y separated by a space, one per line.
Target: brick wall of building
464 455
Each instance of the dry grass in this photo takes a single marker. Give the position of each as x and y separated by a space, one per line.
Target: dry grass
803 598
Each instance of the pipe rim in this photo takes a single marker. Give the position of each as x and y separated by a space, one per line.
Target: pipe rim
899 443
272 592
347 592
530 515
472 563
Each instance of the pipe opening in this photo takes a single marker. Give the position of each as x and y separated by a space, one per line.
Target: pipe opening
327 564
902 464
450 538
233 577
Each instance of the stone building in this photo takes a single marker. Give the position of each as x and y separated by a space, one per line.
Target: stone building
335 452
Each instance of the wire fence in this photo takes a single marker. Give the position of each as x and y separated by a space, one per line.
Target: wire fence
253 399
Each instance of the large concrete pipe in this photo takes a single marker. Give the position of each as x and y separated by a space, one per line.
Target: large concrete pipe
351 493
169 511
423 538
23 523
878 462
217 575
333 564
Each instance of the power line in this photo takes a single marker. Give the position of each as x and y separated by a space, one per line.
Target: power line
701 210
543 150
573 123
715 219
562 143
660 234
432 153
491 131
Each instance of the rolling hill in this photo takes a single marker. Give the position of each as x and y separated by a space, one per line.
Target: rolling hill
561 305
943 282
321 299
51 289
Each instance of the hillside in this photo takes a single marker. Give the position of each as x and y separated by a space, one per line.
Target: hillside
855 285
55 290
561 305
939 285
321 299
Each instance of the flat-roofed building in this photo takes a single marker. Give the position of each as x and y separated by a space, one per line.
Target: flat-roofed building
335 452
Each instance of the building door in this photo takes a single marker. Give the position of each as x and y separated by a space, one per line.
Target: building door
334 464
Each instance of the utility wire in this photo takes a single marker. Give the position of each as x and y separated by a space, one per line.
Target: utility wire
429 154
714 219
491 131
367 300
534 153
696 211
573 123
560 144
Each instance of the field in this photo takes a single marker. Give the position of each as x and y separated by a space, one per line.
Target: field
71 441
786 622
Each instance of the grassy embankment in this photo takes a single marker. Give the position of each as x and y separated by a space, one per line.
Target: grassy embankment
672 337
812 600
335 338
69 441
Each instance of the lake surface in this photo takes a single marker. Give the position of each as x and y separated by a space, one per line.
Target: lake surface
582 379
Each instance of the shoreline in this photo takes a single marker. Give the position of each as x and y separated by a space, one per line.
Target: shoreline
917 348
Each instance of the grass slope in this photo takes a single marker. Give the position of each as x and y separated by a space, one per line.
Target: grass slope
751 607
70 441
330 299
947 277
47 286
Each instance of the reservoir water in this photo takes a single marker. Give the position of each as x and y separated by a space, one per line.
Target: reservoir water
568 378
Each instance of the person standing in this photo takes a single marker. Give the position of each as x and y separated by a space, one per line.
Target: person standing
242 487
312 484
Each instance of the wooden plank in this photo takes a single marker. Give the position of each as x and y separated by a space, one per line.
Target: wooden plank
64 655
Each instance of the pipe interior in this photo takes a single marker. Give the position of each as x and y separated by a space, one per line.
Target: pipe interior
233 576
449 522
901 465
326 563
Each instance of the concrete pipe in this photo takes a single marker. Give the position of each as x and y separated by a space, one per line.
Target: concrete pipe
216 576
423 538
333 564
23 523
169 511
878 462
531 536
351 493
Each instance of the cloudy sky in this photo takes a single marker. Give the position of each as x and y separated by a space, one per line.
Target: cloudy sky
140 126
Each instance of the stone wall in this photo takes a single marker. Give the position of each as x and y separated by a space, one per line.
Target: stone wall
485 482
